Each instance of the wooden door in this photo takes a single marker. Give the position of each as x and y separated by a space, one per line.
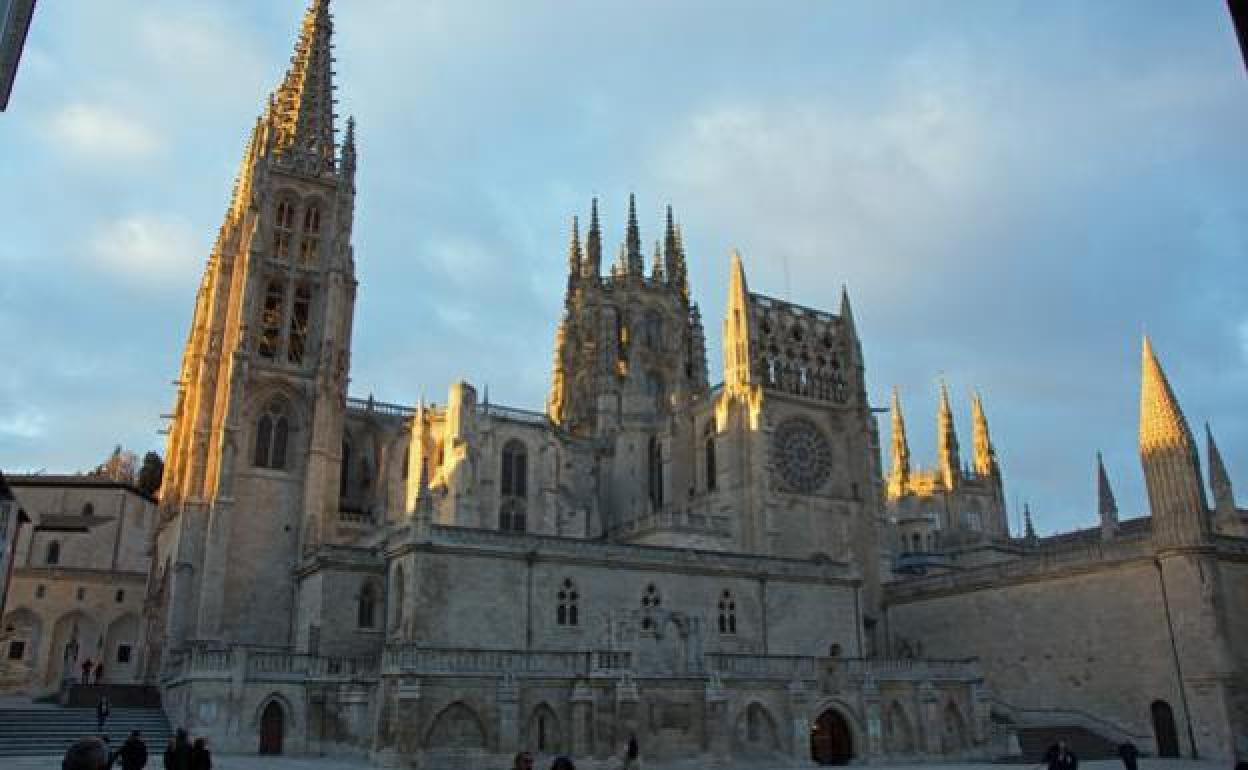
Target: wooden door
272 723
830 741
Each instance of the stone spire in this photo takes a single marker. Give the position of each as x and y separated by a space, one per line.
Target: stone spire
302 108
674 257
634 262
574 253
1106 506
1226 516
593 243
348 150
947 442
737 326
899 475
656 267
985 454
1029 529
1176 493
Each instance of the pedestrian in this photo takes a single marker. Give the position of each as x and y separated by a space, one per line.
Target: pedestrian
99 672
632 755
562 763
181 750
133 753
522 761
102 711
86 754
1128 753
171 760
86 671
201 757
1060 757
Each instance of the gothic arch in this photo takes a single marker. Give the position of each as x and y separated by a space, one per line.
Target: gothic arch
456 727
844 711
288 710
75 637
898 732
543 732
757 731
953 734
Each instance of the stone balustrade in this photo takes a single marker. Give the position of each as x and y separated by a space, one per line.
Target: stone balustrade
795 667
411 658
204 662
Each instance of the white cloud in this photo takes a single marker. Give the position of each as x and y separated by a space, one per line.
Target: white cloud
26 424
101 132
146 248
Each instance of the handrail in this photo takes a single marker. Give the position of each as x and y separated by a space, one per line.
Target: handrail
1115 731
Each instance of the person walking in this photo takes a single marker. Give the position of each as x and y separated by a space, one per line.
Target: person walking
86 754
133 753
201 757
181 758
171 758
1129 755
102 710
99 672
522 761
1060 757
86 671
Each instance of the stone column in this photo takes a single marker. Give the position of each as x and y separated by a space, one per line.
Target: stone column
799 733
582 735
508 699
871 709
929 717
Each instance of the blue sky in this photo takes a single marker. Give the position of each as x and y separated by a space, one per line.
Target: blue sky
1012 191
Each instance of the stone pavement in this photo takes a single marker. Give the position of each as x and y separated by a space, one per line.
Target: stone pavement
252 762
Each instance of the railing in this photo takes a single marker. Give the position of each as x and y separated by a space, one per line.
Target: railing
895 669
1051 717
270 665
433 660
763 666
512 413
791 667
379 407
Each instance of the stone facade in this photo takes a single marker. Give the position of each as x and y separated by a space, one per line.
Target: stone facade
79 579
720 571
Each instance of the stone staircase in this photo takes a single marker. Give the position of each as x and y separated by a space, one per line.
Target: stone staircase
47 731
1085 744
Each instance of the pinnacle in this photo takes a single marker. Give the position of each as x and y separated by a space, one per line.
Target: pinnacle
301 110
1106 505
1162 424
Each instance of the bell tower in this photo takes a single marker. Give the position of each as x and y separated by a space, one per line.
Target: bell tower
253 449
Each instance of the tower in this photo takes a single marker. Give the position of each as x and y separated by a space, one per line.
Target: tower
253 451
1176 493
1226 517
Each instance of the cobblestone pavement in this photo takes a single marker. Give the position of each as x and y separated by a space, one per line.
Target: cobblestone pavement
252 762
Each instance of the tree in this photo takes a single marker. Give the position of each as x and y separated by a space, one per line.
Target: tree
120 466
151 473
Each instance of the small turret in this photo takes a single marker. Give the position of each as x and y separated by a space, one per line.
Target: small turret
1029 529
348 151
899 474
947 442
1106 506
985 454
1226 516
575 259
593 243
634 263
737 326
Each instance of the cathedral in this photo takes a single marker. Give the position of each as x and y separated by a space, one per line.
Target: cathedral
722 573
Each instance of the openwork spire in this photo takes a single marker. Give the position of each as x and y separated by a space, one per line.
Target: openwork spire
632 241
302 108
947 441
899 476
574 251
1176 493
985 454
593 242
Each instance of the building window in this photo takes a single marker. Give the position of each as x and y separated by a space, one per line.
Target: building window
123 653
41 591
283 229
272 433
365 616
309 245
515 470
727 613
650 601
120 596
82 593
271 319
566 614
299 325
511 515
654 473
17 649
710 464
88 509
53 554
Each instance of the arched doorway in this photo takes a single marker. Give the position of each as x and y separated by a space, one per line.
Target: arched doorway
1163 729
830 739
272 725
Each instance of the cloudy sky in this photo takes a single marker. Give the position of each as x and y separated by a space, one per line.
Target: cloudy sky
1012 191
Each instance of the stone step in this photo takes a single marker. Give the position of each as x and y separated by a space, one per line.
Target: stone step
48 732
1085 744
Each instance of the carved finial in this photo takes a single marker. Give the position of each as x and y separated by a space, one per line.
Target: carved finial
593 243
632 241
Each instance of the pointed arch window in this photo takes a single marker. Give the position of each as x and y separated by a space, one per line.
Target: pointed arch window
566 613
271 319
310 243
650 602
727 613
515 470
654 473
299 313
366 612
283 229
272 436
53 555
